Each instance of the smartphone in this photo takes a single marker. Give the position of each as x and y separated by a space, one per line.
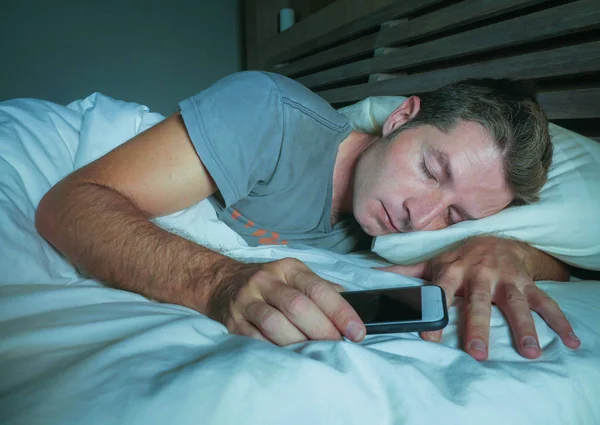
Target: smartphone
406 309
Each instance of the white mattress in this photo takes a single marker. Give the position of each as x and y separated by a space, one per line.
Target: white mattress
73 351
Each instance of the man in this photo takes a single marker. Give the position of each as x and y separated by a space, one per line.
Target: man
283 167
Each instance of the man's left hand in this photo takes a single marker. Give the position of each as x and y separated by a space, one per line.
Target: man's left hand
486 270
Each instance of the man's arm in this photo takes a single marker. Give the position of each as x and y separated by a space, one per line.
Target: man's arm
99 218
541 266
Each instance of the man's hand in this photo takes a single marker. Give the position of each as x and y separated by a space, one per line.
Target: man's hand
486 270
283 302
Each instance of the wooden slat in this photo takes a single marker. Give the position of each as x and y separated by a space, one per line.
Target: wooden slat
571 104
569 60
467 12
308 36
343 72
342 52
575 17
463 13
252 21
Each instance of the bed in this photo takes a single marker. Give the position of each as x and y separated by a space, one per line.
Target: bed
74 351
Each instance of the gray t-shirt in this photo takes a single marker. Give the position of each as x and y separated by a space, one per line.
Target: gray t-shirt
270 145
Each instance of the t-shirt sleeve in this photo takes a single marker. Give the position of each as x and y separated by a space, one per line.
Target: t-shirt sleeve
236 126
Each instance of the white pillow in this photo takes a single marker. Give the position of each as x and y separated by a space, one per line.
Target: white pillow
565 223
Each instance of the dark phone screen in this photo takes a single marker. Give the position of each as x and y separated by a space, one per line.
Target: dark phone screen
386 305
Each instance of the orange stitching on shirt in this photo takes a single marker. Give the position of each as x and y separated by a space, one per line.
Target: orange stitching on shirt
272 240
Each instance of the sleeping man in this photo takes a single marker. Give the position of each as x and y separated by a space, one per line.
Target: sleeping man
281 166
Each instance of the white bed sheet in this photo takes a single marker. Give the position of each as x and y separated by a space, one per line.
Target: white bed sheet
73 351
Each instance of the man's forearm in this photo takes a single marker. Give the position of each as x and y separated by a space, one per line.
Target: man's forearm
104 233
542 266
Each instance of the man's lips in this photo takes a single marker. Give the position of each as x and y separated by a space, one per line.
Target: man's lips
388 220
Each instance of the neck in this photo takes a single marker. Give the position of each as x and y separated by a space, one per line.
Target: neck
344 170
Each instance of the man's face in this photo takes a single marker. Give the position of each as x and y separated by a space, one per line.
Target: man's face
425 179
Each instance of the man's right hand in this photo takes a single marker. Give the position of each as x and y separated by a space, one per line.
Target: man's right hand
283 302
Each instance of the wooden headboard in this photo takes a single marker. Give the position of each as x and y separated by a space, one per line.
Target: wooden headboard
347 50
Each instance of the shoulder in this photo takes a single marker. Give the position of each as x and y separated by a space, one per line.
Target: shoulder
267 84
301 99
259 88
242 87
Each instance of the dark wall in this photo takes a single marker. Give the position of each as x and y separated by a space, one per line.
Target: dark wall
153 52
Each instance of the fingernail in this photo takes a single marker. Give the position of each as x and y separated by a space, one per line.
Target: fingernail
354 331
433 337
477 344
572 335
530 342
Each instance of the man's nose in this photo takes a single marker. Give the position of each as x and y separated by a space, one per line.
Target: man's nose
427 212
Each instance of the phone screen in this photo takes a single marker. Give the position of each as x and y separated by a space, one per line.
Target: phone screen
387 305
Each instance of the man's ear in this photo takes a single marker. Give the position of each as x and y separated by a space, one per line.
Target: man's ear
403 114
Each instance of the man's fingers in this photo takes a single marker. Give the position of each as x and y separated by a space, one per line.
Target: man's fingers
243 327
478 310
434 336
450 280
546 307
335 307
515 307
272 324
338 287
301 311
418 270
322 293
